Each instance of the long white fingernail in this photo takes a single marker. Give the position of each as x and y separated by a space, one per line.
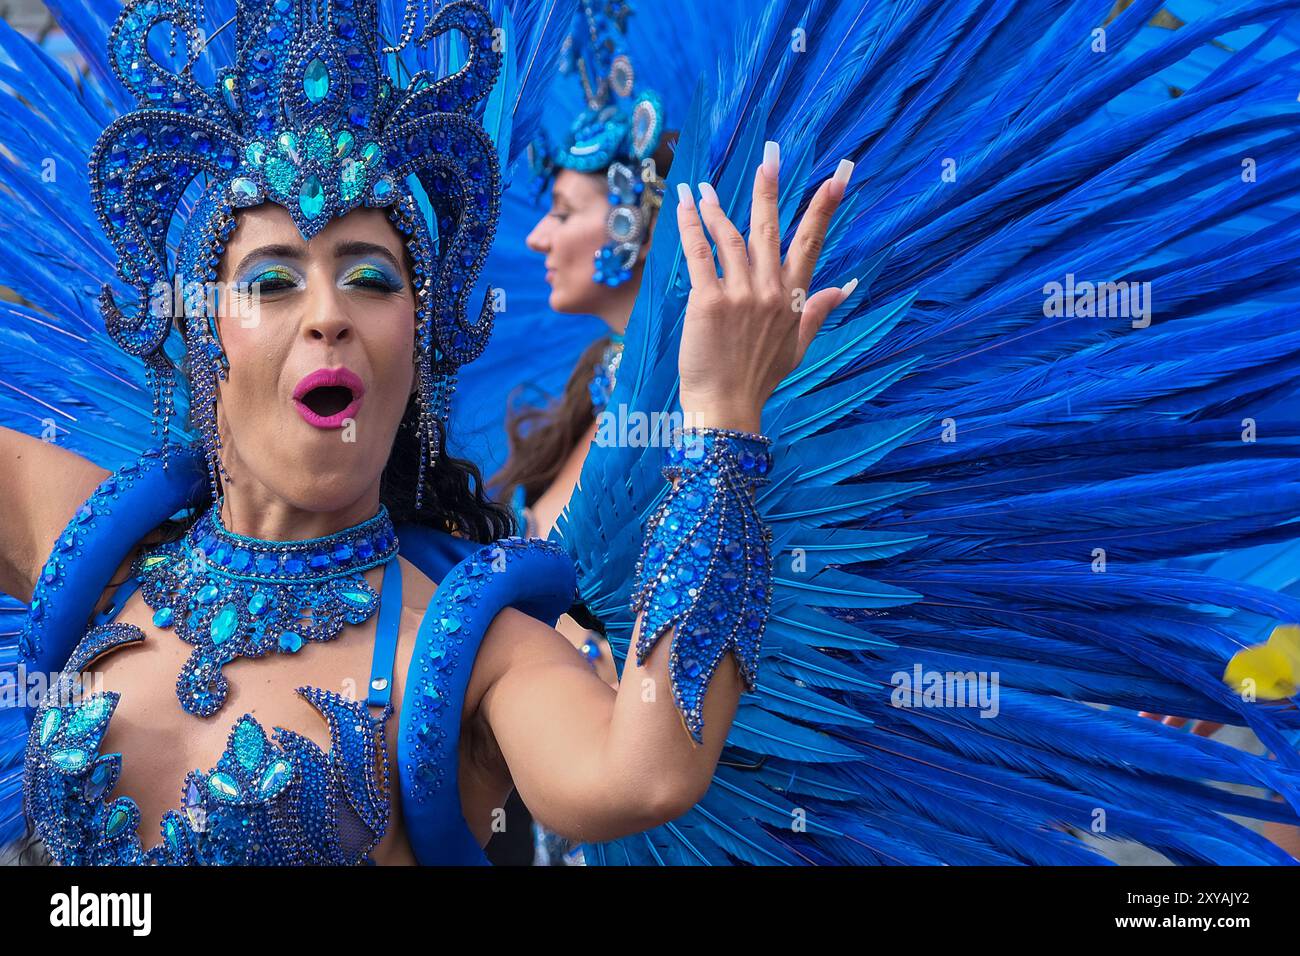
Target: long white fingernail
848 287
707 194
843 171
771 158
684 195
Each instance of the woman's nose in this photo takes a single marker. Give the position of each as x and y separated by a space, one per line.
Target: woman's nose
326 319
538 240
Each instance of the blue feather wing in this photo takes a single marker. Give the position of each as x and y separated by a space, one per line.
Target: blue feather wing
955 463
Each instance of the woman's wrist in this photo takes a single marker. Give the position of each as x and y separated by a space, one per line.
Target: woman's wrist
741 416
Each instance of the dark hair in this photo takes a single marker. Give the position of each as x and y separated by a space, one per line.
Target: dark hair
541 438
455 499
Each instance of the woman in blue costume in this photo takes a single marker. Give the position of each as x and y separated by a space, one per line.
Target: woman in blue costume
338 321
603 188
967 475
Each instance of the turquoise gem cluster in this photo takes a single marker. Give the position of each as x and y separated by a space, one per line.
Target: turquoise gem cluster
705 570
230 595
266 803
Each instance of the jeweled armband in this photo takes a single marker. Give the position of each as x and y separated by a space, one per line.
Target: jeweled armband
705 569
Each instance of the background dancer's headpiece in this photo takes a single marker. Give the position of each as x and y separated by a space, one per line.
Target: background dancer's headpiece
308 118
617 131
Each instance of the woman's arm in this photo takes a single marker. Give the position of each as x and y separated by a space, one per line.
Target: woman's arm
41 486
593 763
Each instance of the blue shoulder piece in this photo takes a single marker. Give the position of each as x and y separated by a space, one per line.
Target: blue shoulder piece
126 506
529 574
433 552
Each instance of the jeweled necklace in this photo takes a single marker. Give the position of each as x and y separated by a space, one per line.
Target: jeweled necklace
233 596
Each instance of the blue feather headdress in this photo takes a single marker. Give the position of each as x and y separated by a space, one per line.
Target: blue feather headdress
616 132
305 117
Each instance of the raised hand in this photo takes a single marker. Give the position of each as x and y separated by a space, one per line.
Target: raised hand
748 328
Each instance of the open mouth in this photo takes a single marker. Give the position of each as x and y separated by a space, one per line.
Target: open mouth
327 400
328 397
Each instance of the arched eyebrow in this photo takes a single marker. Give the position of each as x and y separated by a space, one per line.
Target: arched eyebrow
359 248
341 250
271 251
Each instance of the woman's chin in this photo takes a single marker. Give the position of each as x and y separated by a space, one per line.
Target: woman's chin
330 459
562 302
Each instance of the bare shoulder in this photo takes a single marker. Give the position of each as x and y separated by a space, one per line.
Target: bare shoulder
514 640
41 488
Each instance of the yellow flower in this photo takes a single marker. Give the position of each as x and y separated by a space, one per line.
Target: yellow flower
1270 671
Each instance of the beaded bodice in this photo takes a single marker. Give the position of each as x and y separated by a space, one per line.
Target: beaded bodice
268 801
271 796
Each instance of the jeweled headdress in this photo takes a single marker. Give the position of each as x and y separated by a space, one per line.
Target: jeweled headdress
308 118
617 131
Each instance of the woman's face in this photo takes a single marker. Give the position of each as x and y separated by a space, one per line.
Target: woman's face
320 356
569 236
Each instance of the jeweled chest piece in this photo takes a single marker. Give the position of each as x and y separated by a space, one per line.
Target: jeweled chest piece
232 596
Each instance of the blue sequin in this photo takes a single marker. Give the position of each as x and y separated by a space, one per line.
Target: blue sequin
707 590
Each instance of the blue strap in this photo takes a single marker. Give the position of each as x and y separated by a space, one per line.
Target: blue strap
536 577
390 615
120 597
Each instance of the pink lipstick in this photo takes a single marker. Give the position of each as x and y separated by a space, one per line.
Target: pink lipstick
329 396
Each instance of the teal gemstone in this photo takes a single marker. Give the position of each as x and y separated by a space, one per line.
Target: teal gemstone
172 834
291 641
87 717
288 145
224 624
359 598
343 144
74 758
49 724
250 743
257 604
223 786
117 821
311 197
153 561
207 594
369 153
316 80
163 617
274 779
99 777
